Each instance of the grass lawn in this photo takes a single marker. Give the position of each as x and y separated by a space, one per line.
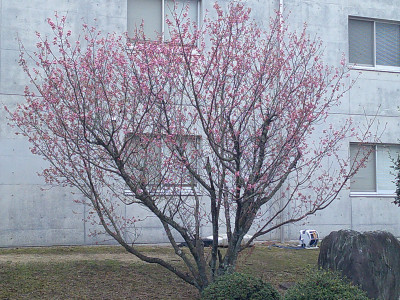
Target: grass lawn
109 273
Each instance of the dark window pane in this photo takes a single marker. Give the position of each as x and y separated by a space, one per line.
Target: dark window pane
361 42
387 44
149 12
365 179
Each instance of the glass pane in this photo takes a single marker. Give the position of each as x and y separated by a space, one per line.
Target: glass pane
177 173
147 11
387 44
143 157
386 156
361 42
180 9
365 179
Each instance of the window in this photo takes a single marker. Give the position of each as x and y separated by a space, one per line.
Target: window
377 176
154 13
175 171
151 160
374 43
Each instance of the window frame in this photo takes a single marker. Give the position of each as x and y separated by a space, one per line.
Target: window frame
163 18
374 67
186 189
378 193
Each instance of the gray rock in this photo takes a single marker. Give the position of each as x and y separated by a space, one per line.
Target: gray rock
370 260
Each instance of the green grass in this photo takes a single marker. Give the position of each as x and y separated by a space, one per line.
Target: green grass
277 265
89 280
112 279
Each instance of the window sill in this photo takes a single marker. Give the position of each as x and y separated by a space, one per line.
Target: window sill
386 69
132 41
169 191
371 195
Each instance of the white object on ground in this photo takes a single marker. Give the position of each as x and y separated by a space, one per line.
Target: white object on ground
309 238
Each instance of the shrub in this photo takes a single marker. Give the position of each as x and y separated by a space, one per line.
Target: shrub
240 286
325 285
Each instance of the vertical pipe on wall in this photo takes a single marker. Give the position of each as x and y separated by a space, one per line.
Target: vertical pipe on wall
163 19
84 223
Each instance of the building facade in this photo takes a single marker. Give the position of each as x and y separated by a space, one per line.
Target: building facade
368 32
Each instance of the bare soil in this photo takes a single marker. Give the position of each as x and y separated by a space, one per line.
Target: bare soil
45 258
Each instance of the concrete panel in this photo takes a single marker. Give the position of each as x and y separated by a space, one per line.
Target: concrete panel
14 147
262 11
115 8
108 14
118 24
334 121
34 206
339 212
40 237
7 131
146 235
48 216
376 93
392 228
12 79
14 23
386 128
138 235
385 9
333 51
142 215
325 16
374 211
21 169
62 6
16 17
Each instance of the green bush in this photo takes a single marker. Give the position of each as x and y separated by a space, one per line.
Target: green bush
240 286
325 285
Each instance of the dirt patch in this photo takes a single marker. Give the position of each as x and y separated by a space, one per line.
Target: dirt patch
82 253
44 258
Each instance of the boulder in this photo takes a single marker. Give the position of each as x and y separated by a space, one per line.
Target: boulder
370 260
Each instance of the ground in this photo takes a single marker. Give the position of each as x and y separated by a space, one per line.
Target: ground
108 272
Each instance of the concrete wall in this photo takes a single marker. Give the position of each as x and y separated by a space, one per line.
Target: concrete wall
32 214
375 93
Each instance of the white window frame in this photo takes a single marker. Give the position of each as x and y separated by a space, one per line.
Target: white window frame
199 14
379 193
374 67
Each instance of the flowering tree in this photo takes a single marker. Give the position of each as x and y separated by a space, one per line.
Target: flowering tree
215 127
